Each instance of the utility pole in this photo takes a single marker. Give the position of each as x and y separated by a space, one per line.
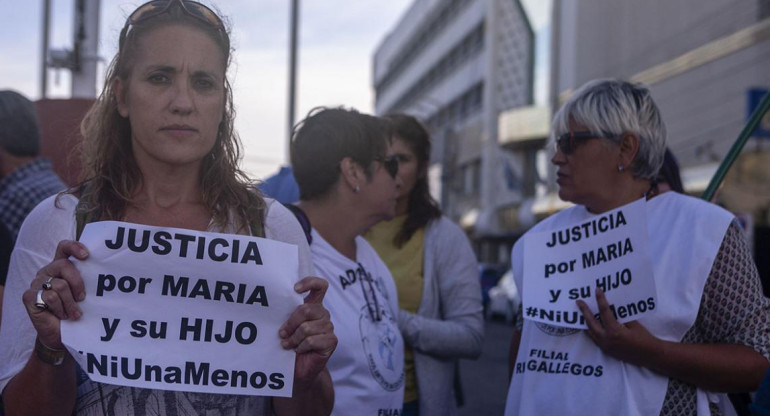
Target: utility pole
82 60
44 49
294 28
86 50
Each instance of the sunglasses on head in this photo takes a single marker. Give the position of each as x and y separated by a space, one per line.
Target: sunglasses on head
391 165
157 7
568 142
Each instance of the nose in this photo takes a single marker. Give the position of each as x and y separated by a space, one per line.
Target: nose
181 100
558 158
398 181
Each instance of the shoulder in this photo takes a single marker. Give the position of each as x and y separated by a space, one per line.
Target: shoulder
443 226
672 209
47 224
281 224
673 199
55 215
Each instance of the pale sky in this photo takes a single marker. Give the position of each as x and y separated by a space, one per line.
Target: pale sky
337 41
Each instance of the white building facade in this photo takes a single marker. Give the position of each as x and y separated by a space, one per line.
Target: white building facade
457 65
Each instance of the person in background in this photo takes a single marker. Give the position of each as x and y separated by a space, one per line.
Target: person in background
281 186
25 178
347 183
159 149
669 178
710 332
435 269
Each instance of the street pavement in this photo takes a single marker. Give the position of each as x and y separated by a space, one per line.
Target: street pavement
485 380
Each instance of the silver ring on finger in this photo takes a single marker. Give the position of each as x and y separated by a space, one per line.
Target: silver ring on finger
47 285
39 302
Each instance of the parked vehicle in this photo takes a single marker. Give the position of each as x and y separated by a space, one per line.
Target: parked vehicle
489 274
504 299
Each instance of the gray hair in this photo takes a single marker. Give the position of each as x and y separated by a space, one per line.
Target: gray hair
19 129
609 108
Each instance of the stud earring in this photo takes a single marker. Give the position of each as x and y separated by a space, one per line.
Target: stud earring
621 168
356 189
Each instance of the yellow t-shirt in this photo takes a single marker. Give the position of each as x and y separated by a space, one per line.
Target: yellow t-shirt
406 266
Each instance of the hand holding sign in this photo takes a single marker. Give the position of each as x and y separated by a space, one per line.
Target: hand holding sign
309 331
66 287
184 310
630 342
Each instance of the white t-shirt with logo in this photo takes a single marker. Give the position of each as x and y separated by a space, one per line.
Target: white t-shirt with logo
367 367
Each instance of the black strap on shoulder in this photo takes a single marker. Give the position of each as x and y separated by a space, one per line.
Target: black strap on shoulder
304 221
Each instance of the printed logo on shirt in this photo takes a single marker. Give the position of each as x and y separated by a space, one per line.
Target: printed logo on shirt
556 331
380 342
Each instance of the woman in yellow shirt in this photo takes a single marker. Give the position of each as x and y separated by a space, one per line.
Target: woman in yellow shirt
435 271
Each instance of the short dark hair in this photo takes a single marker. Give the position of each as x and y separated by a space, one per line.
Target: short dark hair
422 207
19 128
669 172
328 135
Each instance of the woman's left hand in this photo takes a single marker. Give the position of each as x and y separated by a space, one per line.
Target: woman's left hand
309 331
630 342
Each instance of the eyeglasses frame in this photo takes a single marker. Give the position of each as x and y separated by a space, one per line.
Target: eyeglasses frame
215 21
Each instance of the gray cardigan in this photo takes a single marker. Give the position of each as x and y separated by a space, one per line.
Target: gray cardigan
449 323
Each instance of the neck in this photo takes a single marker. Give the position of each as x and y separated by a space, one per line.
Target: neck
402 206
628 191
172 199
338 222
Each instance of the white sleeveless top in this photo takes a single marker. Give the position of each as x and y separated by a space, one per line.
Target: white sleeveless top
560 371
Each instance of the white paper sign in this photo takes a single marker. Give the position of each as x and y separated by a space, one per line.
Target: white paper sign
182 310
609 251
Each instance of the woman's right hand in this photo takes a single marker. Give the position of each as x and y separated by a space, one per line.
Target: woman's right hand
66 289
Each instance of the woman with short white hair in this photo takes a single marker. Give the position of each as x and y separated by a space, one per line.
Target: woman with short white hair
711 329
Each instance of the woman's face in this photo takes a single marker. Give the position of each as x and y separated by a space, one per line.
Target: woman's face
588 175
174 96
379 194
408 168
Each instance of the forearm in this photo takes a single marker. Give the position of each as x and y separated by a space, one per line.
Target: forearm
456 337
42 389
315 398
715 367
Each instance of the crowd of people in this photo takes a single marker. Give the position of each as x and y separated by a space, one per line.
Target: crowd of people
390 297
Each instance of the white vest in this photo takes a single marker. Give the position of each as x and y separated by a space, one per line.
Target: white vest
560 371
367 368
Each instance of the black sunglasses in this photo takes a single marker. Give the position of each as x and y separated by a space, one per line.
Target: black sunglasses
157 7
568 142
391 164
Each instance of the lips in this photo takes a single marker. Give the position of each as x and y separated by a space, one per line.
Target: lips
178 127
179 130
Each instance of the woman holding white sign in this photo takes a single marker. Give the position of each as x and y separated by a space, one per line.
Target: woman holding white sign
708 328
159 150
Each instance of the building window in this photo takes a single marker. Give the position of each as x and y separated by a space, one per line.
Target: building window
413 47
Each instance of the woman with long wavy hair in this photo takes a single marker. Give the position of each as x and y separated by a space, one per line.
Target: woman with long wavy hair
159 149
435 271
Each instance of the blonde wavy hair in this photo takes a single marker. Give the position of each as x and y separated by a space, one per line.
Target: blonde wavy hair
110 175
